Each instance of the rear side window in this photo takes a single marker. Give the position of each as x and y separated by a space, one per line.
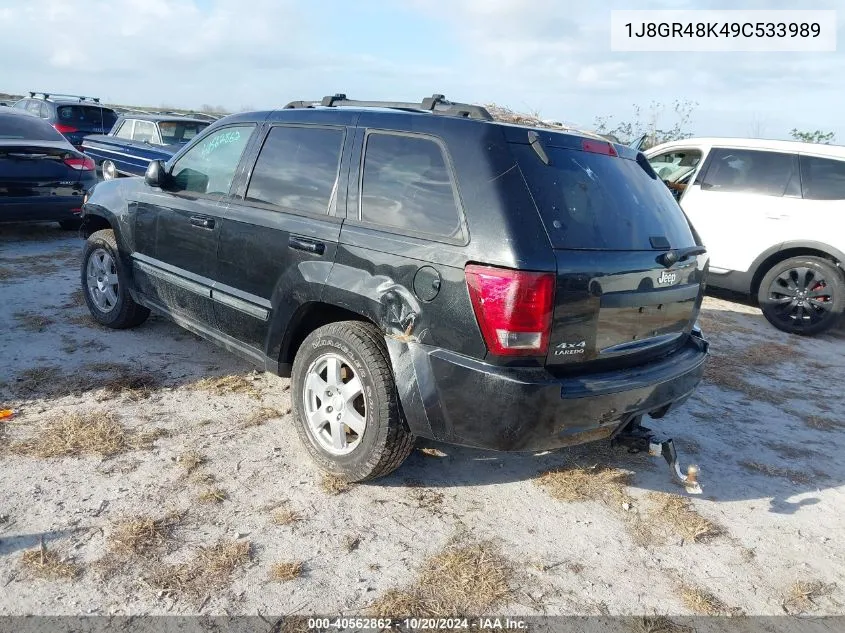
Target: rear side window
86 115
752 171
297 169
174 132
34 107
596 201
407 185
823 178
125 130
23 126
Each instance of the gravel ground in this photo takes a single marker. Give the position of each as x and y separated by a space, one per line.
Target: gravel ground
201 499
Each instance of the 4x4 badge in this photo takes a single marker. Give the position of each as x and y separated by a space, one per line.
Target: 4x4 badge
667 278
570 348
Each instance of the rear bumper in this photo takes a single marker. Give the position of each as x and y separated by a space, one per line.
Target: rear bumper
469 402
40 209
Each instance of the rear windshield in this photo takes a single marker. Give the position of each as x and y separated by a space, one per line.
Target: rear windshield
84 115
26 127
595 201
173 132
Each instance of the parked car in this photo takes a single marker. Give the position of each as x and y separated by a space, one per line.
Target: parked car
42 176
137 139
73 116
772 215
418 270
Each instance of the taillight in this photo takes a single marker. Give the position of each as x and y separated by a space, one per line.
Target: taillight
513 308
80 163
598 147
64 129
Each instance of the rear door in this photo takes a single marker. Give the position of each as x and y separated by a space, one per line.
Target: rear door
611 223
177 228
278 238
76 121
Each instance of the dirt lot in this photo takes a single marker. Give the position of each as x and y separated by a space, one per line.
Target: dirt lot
147 471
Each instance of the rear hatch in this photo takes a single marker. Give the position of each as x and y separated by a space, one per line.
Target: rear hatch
76 121
630 270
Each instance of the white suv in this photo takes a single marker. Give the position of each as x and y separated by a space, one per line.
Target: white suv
772 216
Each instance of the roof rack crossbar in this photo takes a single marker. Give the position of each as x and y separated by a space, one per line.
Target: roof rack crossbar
47 95
436 104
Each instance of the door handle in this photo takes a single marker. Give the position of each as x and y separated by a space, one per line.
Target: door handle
304 244
203 223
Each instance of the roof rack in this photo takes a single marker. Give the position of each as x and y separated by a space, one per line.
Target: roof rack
47 95
436 104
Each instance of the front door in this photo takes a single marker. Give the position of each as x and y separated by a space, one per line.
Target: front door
178 226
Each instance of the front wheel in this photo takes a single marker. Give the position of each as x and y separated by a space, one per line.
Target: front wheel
803 295
105 284
346 404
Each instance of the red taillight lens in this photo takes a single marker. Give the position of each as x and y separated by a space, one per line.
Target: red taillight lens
64 129
598 147
513 308
80 163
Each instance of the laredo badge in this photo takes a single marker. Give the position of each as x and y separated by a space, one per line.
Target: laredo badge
570 348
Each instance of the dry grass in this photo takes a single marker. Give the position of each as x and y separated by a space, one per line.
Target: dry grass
35 379
701 601
727 369
257 418
677 514
209 570
191 460
33 322
803 594
213 495
791 450
71 345
658 624
82 320
113 379
47 564
819 423
795 476
76 299
97 432
464 579
286 571
425 498
351 542
32 265
286 516
142 535
596 483
334 485
123 380
234 383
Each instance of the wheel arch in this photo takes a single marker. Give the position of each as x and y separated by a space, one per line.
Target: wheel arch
787 250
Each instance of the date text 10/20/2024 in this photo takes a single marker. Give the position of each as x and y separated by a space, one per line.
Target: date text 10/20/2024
441 624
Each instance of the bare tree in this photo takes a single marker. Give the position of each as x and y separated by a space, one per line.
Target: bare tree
648 121
817 136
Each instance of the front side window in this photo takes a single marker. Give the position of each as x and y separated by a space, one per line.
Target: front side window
407 185
823 178
145 132
676 165
752 171
209 166
125 130
297 169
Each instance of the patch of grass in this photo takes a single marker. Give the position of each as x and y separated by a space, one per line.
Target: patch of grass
596 483
257 418
658 624
466 579
701 601
142 535
47 564
76 299
286 516
819 423
77 434
678 514
35 378
795 476
191 460
286 571
334 485
351 542
213 495
209 570
201 478
803 594
33 321
425 498
82 320
234 383
123 380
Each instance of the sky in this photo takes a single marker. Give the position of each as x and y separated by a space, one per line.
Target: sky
552 57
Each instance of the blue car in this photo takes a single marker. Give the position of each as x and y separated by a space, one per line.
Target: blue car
137 139
72 116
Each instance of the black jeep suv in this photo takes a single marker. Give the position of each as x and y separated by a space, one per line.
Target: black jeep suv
417 269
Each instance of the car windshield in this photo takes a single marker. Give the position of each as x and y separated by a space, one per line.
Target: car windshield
179 131
26 127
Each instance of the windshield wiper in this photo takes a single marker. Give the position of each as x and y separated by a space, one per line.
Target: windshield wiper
678 255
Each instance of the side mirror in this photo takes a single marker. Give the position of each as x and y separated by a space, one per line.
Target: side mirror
156 175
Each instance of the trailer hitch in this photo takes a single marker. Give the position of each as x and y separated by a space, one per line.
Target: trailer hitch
637 438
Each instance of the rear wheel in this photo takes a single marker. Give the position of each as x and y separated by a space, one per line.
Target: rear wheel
109 170
803 295
346 404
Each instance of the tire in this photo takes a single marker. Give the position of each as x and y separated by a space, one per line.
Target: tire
360 352
70 225
108 170
803 295
115 309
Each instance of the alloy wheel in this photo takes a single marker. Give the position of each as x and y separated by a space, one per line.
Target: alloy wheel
800 296
101 274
